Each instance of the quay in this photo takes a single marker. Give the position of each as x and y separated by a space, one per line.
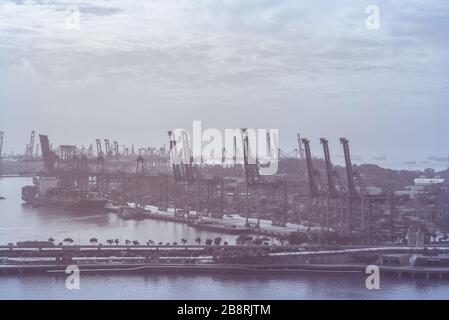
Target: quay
400 261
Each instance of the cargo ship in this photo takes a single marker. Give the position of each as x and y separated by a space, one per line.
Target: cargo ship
46 192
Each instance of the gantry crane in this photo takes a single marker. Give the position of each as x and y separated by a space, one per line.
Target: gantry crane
329 169
351 185
100 158
107 147
1 152
47 154
300 147
116 150
30 147
314 191
348 163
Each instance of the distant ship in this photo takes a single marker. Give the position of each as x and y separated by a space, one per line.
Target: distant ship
381 158
438 158
46 193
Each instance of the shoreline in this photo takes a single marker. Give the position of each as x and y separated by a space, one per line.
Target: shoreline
183 269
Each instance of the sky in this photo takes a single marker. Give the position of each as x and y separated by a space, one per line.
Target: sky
136 69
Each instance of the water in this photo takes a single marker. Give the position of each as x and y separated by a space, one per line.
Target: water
19 222
222 286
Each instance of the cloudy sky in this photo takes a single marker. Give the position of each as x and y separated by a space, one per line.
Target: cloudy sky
135 69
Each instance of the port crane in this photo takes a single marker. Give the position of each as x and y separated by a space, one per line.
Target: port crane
348 163
300 147
107 147
314 191
30 147
351 184
1 152
332 190
47 154
116 150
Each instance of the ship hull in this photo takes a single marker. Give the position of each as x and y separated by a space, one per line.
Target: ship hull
68 204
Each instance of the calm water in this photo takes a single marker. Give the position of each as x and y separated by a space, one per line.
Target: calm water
225 286
18 222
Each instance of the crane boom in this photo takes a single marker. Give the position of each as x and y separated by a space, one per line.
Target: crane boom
312 183
1 152
329 169
251 169
31 145
48 155
348 163
99 151
300 148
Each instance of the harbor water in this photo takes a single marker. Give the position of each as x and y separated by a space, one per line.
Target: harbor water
19 222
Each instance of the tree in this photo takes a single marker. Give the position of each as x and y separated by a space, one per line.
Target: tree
208 242
198 240
183 241
151 242
110 241
296 238
217 241
127 241
68 240
136 243
116 241
175 243
160 243
52 240
93 241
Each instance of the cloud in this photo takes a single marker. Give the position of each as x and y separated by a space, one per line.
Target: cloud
199 58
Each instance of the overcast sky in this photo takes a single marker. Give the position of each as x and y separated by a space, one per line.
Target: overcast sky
136 69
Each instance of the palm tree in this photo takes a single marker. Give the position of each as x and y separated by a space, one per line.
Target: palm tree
116 241
217 241
183 241
110 241
127 242
68 240
135 242
93 241
150 242
198 240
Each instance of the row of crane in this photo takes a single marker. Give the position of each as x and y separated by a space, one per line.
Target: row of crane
315 191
